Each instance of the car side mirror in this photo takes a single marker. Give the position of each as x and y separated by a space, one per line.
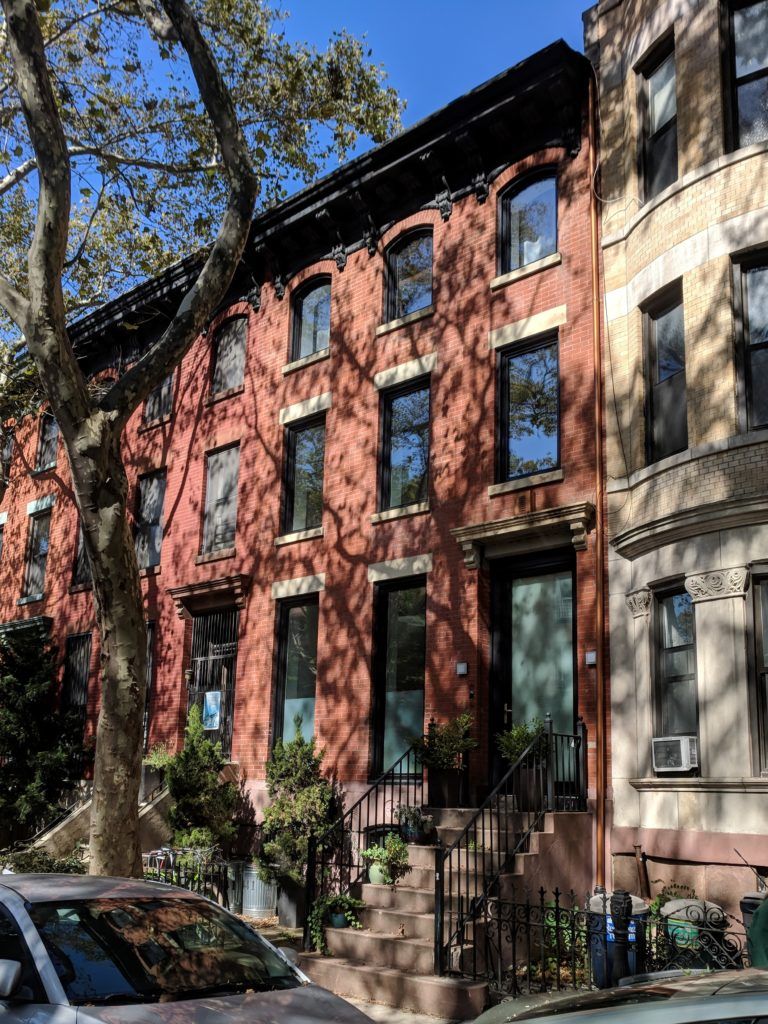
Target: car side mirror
288 953
10 975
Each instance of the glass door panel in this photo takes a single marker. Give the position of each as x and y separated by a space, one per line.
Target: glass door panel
761 661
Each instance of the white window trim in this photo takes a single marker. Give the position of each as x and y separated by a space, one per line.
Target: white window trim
397 568
300 410
299 586
529 327
41 504
405 371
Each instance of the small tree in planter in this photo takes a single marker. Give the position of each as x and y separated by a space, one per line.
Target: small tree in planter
442 752
512 744
415 826
302 805
387 863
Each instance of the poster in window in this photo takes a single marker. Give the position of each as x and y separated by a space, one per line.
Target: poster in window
212 709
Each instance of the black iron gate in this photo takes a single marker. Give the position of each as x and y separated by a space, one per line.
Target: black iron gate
213 667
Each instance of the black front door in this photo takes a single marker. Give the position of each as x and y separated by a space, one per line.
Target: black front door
214 663
533 665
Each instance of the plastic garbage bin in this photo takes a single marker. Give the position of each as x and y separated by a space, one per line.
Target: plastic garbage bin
696 930
602 938
748 904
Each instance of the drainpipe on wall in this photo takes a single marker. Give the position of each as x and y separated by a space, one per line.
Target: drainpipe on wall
600 732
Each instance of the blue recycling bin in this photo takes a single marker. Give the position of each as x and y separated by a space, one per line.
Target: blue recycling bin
602 938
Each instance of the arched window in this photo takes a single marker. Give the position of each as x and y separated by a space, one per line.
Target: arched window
528 224
409 275
311 318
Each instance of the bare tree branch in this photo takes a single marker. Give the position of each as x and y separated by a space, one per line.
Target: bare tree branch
14 303
158 21
17 174
199 302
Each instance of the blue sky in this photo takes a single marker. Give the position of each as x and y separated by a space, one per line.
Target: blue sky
435 50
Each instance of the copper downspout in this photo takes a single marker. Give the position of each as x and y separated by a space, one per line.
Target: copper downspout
600 744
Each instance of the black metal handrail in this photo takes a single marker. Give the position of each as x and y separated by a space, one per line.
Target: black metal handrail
334 861
549 775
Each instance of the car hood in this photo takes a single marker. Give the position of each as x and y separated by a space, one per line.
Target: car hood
308 1004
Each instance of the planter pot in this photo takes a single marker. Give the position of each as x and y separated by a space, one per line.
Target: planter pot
529 789
378 875
291 910
444 787
413 835
338 921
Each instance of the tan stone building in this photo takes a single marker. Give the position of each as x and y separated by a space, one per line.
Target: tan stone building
683 106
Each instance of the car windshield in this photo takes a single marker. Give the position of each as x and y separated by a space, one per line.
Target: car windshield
154 950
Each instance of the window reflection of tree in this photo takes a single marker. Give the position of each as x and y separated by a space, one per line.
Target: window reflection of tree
533 410
409 447
411 270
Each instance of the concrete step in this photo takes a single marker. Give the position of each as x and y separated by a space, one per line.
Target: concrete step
440 997
399 897
383 950
424 857
409 925
424 878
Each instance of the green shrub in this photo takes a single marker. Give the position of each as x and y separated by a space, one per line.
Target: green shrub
302 804
392 856
515 740
444 744
34 860
333 904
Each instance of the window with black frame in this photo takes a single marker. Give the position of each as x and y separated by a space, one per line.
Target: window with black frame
667 420
81 570
297 667
659 122
229 355
311 319
150 677
49 441
159 401
409 275
752 289
220 520
37 554
149 519
6 456
405 445
77 666
749 71
528 223
305 454
676 692
529 392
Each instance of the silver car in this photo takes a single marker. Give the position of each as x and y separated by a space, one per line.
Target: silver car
76 949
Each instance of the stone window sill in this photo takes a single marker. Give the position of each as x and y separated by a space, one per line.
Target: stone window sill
299 364
698 784
147 427
221 396
80 588
418 508
30 599
298 535
524 482
553 260
215 556
149 570
404 321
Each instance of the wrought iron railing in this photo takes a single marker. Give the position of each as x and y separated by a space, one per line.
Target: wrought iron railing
335 860
205 876
549 775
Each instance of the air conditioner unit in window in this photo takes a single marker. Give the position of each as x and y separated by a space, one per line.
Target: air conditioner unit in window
675 753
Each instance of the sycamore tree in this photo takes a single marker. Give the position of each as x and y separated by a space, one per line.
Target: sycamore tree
133 132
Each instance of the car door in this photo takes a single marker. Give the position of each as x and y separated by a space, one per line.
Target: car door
39 998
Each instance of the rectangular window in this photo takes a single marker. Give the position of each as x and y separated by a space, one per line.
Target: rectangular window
149 519
77 664
81 572
752 291
400 622
409 275
229 355
37 554
529 402
6 456
749 71
150 681
667 422
221 499
676 697
297 667
49 440
405 445
2 535
159 401
305 452
659 125
760 690
311 319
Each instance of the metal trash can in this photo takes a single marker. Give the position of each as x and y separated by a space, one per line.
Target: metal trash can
602 938
748 904
259 898
696 929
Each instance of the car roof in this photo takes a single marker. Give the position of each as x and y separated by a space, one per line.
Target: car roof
45 888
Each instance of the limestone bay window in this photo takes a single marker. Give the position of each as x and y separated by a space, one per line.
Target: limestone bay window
529 409
667 404
748 101
658 120
528 223
404 444
311 319
305 453
409 275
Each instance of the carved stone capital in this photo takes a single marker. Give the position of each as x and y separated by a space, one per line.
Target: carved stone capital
473 554
722 583
639 603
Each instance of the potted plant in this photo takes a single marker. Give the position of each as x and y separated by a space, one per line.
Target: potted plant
387 863
340 910
442 752
415 826
512 744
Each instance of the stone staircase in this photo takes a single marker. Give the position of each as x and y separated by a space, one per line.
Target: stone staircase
391 960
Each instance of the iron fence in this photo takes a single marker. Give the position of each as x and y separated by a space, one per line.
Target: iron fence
189 870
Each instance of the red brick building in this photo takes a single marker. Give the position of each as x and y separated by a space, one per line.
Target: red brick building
368 492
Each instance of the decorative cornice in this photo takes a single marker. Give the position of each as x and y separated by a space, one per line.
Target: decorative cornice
721 583
639 603
565 522
207 594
